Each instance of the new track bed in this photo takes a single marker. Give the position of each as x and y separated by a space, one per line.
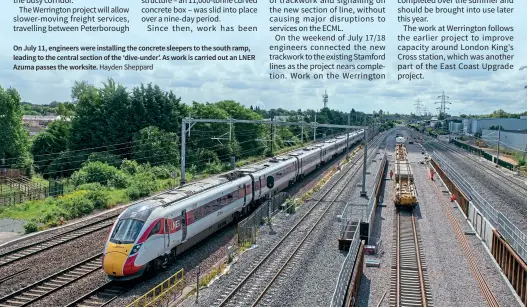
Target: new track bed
509 200
410 286
257 287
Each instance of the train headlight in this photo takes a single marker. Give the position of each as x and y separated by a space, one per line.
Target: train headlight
135 249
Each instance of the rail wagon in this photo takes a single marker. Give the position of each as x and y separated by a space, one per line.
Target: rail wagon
405 192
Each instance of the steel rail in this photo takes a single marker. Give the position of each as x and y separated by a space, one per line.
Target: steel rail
419 265
101 296
398 260
11 276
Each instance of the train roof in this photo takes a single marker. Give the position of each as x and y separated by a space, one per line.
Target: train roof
182 192
270 163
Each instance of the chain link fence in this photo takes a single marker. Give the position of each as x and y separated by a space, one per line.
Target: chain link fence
247 229
516 238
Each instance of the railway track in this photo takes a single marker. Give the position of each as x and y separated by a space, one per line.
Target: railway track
101 296
11 276
258 284
34 248
44 287
499 175
410 286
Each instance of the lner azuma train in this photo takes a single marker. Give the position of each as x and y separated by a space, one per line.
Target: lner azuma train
147 235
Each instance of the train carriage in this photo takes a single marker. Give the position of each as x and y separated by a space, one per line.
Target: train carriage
154 229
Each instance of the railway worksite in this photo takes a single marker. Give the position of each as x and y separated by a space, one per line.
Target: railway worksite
382 225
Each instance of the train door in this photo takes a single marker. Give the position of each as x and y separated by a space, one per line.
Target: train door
184 225
167 233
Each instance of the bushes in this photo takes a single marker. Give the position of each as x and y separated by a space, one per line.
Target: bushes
107 158
31 226
98 172
130 166
75 204
142 185
99 198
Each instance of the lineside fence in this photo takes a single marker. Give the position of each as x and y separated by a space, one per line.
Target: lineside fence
516 238
163 294
374 196
247 228
15 192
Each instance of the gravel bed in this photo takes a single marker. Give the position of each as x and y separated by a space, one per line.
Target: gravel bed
503 198
488 268
53 232
51 261
268 237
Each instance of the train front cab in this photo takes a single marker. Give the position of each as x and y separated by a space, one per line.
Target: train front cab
121 250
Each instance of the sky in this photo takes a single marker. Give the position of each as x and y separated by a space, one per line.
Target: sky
247 82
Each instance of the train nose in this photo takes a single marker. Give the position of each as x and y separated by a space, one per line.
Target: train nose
114 263
115 259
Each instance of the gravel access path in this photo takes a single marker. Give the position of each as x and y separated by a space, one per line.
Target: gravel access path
462 289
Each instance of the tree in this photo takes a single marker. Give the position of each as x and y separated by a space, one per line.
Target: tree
89 127
156 108
156 146
246 135
48 144
14 138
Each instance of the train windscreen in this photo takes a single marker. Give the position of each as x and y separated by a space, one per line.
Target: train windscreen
126 231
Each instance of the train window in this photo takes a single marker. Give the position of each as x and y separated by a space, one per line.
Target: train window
198 213
229 198
126 231
156 229
241 193
207 209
